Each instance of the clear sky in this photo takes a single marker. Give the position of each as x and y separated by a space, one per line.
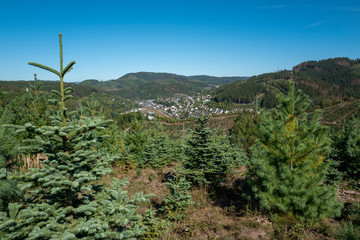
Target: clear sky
110 38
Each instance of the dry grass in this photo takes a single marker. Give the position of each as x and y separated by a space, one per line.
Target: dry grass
208 218
29 161
145 180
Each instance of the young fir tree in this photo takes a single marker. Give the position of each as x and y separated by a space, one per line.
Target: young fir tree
288 169
63 200
208 160
179 198
135 140
157 151
8 151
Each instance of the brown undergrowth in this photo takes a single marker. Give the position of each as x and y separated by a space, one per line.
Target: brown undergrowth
218 214
24 163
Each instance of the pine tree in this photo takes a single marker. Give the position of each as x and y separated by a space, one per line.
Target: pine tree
63 200
288 168
346 145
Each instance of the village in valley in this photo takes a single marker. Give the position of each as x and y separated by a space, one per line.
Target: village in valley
182 107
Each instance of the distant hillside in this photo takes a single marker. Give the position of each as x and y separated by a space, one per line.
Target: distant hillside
18 87
326 82
216 80
145 85
163 88
96 98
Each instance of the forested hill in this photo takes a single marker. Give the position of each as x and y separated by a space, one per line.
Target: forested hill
326 81
16 88
216 80
147 85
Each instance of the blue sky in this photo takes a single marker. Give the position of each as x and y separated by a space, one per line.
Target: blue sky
222 38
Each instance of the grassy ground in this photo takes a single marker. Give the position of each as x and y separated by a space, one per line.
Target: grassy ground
219 214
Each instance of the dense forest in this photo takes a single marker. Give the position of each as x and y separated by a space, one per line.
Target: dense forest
326 82
70 168
150 85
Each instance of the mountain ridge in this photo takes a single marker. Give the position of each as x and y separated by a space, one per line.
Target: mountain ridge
159 84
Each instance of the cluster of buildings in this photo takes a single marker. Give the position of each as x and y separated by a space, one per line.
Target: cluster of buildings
182 107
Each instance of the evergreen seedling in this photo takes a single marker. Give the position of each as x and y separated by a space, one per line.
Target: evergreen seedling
209 160
61 75
346 148
63 200
179 199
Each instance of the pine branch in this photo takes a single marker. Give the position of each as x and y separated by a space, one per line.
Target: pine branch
44 67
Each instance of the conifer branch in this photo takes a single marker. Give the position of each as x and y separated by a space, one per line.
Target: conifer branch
44 67
68 68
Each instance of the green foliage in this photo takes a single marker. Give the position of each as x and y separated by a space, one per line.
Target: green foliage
155 228
158 151
245 92
209 159
350 230
346 148
326 82
134 142
287 170
216 80
245 131
61 75
179 199
91 107
149 85
63 200
162 88
145 147
111 215
9 191
269 101
125 120
32 106
288 228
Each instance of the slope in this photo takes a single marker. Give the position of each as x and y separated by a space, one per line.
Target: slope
145 85
327 82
